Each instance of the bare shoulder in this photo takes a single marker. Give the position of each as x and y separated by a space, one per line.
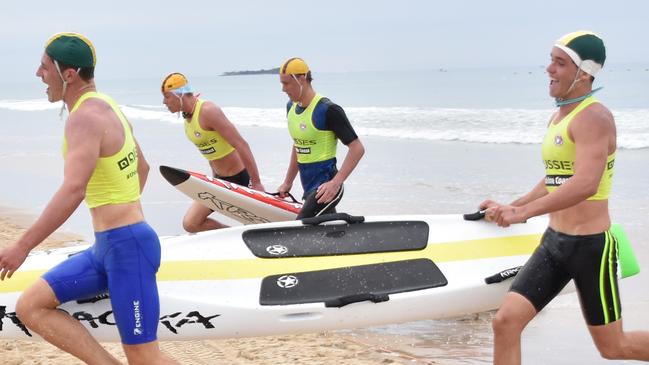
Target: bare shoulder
212 116
92 115
210 108
593 123
596 116
600 112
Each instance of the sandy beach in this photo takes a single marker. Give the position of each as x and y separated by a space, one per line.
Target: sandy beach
317 348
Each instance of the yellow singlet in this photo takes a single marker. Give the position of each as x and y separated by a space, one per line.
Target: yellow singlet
115 179
210 143
558 152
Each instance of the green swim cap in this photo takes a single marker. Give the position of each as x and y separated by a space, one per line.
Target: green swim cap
585 48
72 49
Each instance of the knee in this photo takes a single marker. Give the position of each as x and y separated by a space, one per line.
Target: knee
190 225
505 323
613 351
27 310
23 309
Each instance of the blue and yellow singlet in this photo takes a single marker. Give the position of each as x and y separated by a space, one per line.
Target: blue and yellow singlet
311 144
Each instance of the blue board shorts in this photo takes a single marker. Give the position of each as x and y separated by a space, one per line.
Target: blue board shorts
123 262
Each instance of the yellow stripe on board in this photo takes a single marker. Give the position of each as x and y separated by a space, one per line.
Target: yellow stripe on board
259 268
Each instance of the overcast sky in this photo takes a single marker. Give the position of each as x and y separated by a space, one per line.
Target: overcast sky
152 38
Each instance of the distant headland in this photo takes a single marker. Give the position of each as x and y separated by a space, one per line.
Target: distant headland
271 71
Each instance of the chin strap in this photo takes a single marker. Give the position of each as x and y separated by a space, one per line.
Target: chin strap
561 102
301 89
65 86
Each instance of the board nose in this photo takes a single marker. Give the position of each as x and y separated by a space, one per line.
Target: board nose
173 175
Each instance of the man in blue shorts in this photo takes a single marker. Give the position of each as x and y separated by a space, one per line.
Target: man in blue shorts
105 167
316 124
579 157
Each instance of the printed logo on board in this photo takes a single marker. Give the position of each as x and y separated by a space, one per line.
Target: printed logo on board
277 250
174 322
230 209
287 281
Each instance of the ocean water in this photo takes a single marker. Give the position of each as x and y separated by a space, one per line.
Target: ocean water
437 141
502 105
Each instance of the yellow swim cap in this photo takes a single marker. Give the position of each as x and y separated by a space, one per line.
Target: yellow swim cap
176 83
294 66
72 49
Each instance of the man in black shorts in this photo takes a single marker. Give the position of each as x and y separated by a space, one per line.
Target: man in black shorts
579 157
217 139
316 124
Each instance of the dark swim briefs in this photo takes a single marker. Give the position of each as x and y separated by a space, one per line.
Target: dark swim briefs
590 260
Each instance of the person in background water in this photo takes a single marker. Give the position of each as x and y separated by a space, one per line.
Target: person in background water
579 156
316 124
217 139
105 167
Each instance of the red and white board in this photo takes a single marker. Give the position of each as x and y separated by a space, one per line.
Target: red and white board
238 202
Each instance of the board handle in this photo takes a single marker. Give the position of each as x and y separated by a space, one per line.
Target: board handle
355 298
503 275
289 194
351 219
474 216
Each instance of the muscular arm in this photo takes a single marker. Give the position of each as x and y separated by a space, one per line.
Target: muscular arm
354 155
327 191
214 119
537 192
338 122
83 140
